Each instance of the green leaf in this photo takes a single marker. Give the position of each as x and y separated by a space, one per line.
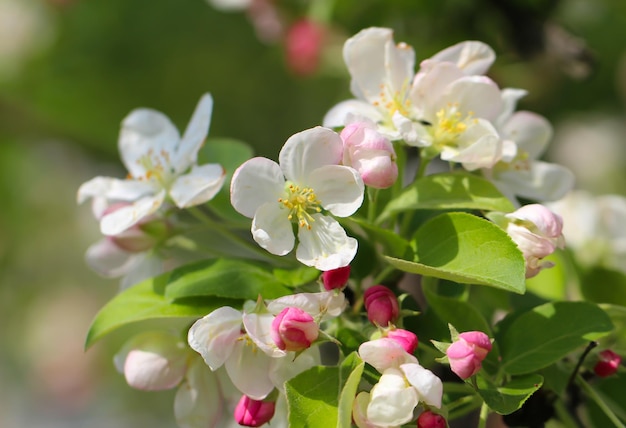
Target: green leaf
321 397
228 152
467 249
452 190
296 277
233 279
548 333
510 397
393 244
145 302
603 285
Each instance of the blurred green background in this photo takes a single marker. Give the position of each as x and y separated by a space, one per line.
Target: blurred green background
70 70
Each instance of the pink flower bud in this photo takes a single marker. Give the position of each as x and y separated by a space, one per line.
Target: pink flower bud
303 46
336 278
137 238
405 338
537 231
253 413
608 363
370 153
467 353
429 419
381 305
294 330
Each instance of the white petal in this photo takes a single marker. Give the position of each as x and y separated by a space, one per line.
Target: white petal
125 217
308 150
326 245
543 182
413 133
249 369
340 114
214 336
155 361
272 230
510 96
392 401
146 132
339 189
198 401
472 57
107 259
327 303
476 94
428 386
284 369
256 182
194 136
198 186
530 131
259 329
114 189
384 353
479 147
144 266
429 85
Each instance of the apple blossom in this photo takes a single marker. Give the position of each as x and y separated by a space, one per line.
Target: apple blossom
161 165
294 330
428 419
370 153
254 413
336 278
321 306
408 340
537 231
467 353
307 180
381 305
608 363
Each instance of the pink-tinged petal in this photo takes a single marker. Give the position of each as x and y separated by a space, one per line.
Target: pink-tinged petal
114 189
384 353
325 246
392 401
339 189
326 303
155 361
256 182
198 401
109 260
430 84
542 182
198 186
144 266
429 387
125 217
272 230
215 335
308 150
476 94
259 329
473 57
146 133
479 146
249 369
359 411
530 131
194 136
340 114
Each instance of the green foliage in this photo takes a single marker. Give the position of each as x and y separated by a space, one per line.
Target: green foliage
512 395
467 249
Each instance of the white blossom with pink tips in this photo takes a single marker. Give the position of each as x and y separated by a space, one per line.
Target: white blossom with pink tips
307 182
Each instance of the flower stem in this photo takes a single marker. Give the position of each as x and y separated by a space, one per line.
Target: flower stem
484 414
593 394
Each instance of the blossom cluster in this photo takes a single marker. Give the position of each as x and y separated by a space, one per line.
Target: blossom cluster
329 206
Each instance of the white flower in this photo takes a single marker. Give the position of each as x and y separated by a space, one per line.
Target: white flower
306 181
473 57
381 74
403 384
521 173
161 166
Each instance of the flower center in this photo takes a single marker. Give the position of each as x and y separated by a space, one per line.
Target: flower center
450 125
393 101
301 203
157 167
521 162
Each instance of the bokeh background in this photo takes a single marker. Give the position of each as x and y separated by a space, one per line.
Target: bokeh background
70 70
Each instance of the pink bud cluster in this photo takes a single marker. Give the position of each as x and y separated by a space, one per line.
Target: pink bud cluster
336 278
294 330
468 352
381 305
608 363
428 419
254 413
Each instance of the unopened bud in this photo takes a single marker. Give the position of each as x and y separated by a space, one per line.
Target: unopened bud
429 419
608 363
467 353
303 46
405 338
381 305
254 413
336 278
294 330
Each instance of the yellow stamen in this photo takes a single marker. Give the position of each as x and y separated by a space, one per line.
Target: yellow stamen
301 203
